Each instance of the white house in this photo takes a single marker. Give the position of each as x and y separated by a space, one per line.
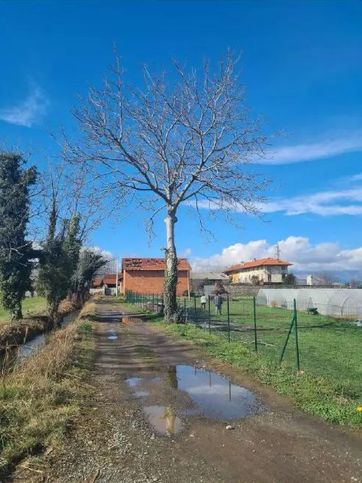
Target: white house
259 271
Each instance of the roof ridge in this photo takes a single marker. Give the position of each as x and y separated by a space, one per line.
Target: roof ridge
258 262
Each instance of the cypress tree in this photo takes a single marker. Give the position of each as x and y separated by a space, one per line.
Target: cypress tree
16 251
58 261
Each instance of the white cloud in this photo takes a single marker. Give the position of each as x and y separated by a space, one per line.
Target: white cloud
324 203
355 177
305 256
100 251
27 112
185 253
310 151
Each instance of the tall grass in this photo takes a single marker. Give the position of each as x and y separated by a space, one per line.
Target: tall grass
39 400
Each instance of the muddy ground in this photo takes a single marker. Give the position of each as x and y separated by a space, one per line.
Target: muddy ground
141 426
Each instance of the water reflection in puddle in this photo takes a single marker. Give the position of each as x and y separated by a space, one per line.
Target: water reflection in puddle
214 395
133 381
139 394
209 395
163 420
111 335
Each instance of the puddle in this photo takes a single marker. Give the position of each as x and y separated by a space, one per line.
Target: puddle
139 394
163 420
133 381
112 335
214 396
199 393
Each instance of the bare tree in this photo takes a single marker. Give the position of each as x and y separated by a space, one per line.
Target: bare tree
187 142
75 194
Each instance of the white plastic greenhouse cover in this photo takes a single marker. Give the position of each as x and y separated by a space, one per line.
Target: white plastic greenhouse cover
346 303
276 297
329 301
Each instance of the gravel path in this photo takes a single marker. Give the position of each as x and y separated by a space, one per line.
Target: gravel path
114 441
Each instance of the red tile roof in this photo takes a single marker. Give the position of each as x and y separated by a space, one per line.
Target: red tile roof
257 262
107 279
152 264
97 282
110 278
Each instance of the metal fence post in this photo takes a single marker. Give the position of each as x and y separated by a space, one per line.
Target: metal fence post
209 311
255 332
195 312
296 334
289 332
228 316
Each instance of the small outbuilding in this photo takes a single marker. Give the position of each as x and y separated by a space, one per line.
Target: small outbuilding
201 279
106 284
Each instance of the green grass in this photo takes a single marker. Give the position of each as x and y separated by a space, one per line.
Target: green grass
31 306
318 396
329 348
133 308
329 384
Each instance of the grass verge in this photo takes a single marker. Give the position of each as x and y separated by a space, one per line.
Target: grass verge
31 306
314 395
39 400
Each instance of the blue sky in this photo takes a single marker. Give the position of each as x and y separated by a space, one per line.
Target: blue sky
302 68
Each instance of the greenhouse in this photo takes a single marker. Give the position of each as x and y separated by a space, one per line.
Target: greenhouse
341 302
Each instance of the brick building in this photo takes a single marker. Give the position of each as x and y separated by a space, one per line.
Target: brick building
147 275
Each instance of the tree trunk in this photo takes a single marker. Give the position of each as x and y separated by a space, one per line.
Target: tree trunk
54 316
170 300
17 313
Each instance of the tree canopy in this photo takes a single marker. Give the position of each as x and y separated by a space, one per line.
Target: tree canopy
16 252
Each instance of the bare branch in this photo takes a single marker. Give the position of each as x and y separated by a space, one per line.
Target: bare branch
189 142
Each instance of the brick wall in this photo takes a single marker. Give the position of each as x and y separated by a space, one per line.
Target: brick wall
151 282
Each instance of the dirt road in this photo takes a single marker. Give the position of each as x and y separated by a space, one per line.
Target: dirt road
161 414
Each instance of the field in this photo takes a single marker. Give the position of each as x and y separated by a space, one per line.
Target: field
31 306
329 380
328 347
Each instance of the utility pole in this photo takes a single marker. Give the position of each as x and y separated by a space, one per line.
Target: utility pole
117 277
